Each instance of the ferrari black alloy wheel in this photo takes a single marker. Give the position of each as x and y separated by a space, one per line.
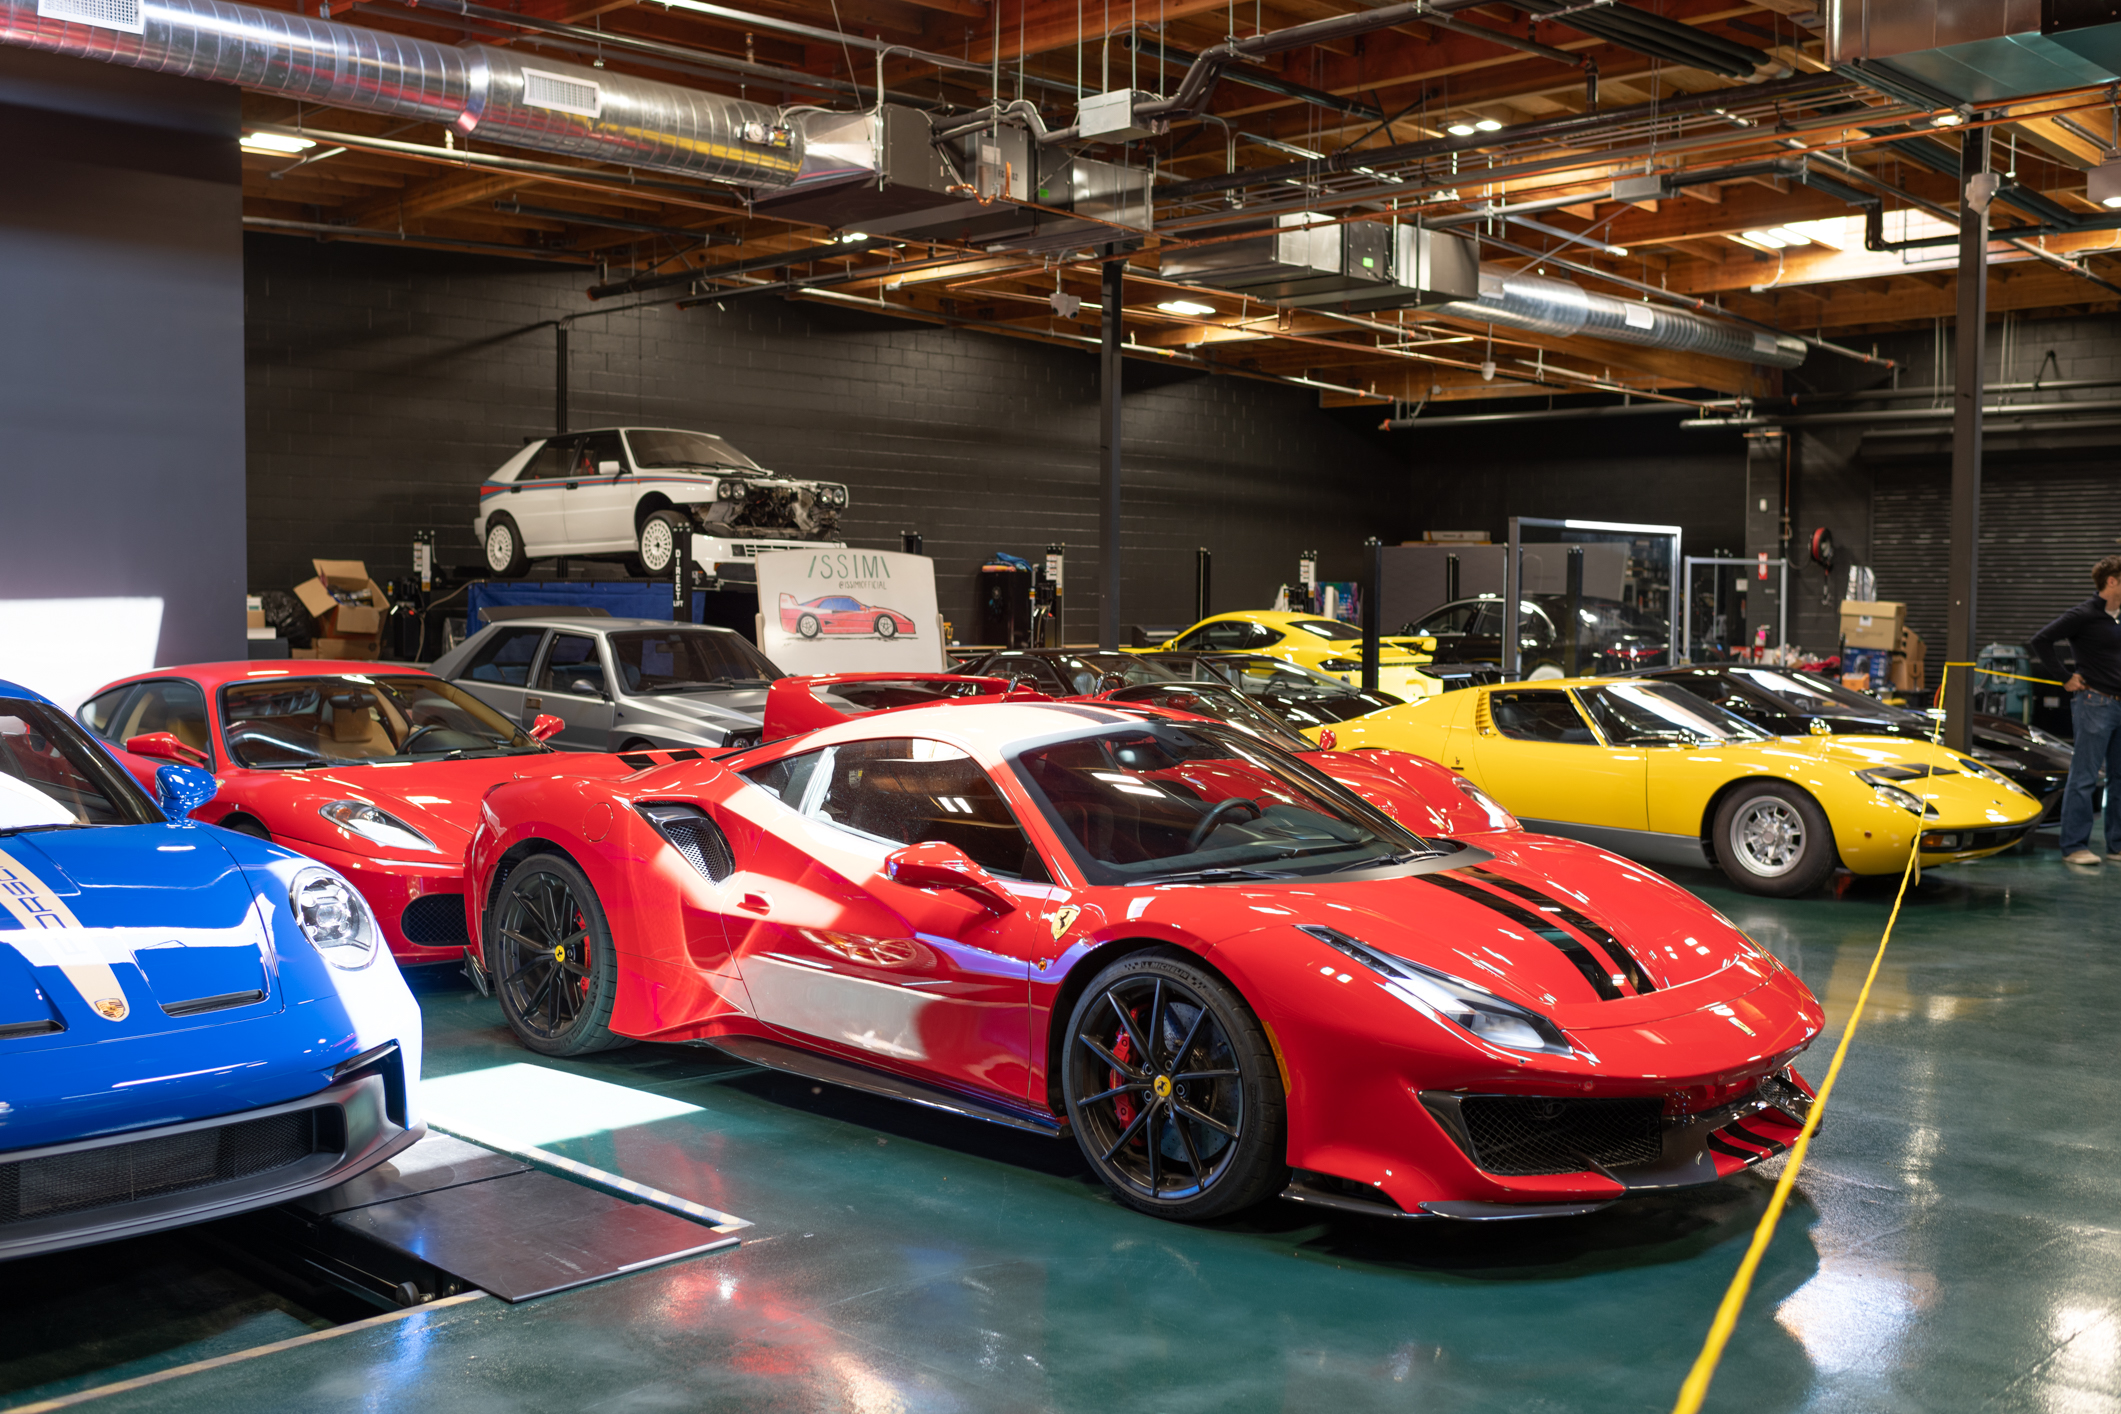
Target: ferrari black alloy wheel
1173 1091
553 964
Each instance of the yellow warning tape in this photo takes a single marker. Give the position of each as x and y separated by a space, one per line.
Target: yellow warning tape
1696 1387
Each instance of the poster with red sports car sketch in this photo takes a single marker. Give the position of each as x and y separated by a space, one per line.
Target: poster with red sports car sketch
836 610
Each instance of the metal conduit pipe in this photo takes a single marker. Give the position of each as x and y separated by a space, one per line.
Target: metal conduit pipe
546 107
1541 304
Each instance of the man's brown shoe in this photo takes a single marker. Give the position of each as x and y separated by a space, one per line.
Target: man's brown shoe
2080 856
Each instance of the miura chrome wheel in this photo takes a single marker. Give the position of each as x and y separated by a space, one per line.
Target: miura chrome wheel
1768 837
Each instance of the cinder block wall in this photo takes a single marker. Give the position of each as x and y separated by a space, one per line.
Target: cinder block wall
384 385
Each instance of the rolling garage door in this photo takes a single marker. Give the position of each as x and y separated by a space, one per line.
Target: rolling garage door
2042 527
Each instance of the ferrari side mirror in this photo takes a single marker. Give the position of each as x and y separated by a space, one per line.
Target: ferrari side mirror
545 727
936 865
165 746
180 789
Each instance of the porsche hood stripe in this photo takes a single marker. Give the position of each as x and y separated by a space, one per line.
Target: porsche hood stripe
1571 946
38 909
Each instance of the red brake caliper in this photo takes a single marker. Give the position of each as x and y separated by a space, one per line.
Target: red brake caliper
1122 1105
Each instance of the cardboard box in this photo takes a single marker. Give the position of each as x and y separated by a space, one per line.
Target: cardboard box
1909 670
1872 623
348 607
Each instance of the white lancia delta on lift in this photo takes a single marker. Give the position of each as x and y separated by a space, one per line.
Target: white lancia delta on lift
632 491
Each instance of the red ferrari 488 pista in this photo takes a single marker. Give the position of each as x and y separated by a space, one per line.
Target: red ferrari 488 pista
1226 973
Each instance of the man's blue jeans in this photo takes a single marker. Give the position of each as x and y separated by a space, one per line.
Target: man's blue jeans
2097 718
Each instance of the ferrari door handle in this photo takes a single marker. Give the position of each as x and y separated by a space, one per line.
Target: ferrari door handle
756 903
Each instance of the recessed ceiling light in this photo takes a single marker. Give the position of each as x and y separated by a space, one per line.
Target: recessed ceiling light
1488 125
1185 306
849 237
2112 203
1948 120
1461 130
274 142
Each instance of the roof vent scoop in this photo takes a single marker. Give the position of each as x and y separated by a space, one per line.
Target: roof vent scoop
545 106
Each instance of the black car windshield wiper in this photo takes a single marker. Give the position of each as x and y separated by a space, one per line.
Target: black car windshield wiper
302 765
24 829
705 685
1226 871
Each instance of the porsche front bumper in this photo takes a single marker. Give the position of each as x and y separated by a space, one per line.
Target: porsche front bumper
123 1185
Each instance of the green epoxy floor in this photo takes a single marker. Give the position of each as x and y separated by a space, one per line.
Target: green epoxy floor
1955 1243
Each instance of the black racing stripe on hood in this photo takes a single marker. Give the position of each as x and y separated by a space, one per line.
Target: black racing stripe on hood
1630 966
1570 946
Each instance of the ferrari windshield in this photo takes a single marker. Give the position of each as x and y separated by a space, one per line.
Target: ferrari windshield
655 447
51 776
1658 714
1170 802
1296 694
337 721
1221 703
688 660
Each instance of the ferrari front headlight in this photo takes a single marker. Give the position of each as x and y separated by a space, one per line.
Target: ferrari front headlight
1466 1005
333 916
1498 818
375 826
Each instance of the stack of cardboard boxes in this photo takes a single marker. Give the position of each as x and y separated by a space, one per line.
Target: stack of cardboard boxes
349 608
1882 651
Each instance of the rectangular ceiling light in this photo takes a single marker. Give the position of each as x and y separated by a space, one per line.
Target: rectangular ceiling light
562 93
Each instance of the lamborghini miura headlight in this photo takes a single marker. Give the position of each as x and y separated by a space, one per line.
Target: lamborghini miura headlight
375 826
332 915
1882 781
1466 1005
1986 772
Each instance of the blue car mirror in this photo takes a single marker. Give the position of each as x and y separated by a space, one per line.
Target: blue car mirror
179 790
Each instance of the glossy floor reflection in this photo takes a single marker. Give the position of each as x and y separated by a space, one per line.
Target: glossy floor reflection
1956 1242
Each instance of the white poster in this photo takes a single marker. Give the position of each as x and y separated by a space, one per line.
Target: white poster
849 611
67 648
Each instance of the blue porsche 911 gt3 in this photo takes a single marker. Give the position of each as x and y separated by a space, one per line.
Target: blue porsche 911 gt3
193 1023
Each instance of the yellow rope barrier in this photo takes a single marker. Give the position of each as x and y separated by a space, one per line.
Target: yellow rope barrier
1696 1387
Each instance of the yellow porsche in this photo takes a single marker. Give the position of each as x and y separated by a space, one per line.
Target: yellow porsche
1312 641
1651 771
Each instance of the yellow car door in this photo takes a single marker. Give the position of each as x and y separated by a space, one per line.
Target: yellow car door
1691 748
1538 755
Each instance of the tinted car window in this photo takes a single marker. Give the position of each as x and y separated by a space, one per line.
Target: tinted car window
99 714
650 662
50 775
325 721
505 657
1453 618
907 790
1539 716
598 448
168 705
1037 671
552 461
571 663
1224 633
1221 703
1332 630
1655 713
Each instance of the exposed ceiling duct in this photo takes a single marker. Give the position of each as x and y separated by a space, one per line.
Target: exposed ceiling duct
1541 304
494 93
1937 54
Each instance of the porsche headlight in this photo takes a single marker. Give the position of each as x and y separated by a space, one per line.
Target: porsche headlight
335 919
1498 818
375 826
1466 1005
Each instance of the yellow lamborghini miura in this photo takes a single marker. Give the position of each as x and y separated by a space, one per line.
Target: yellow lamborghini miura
1651 771
1309 640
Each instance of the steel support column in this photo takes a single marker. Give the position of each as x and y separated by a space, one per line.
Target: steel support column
1971 343
559 377
1108 449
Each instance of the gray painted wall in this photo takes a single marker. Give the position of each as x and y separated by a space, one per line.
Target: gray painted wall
385 385
121 373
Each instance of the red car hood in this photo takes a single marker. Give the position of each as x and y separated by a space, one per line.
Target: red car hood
440 799
1490 922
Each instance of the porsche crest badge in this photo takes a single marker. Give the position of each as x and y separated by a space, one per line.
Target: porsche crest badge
111 1008
1064 919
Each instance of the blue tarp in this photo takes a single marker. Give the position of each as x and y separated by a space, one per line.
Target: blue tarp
621 599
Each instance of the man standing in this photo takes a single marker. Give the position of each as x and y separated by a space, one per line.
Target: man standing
2093 629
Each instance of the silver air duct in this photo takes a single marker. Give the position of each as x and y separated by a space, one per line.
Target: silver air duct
1547 306
495 93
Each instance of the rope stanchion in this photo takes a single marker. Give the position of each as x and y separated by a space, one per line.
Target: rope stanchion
1696 1386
